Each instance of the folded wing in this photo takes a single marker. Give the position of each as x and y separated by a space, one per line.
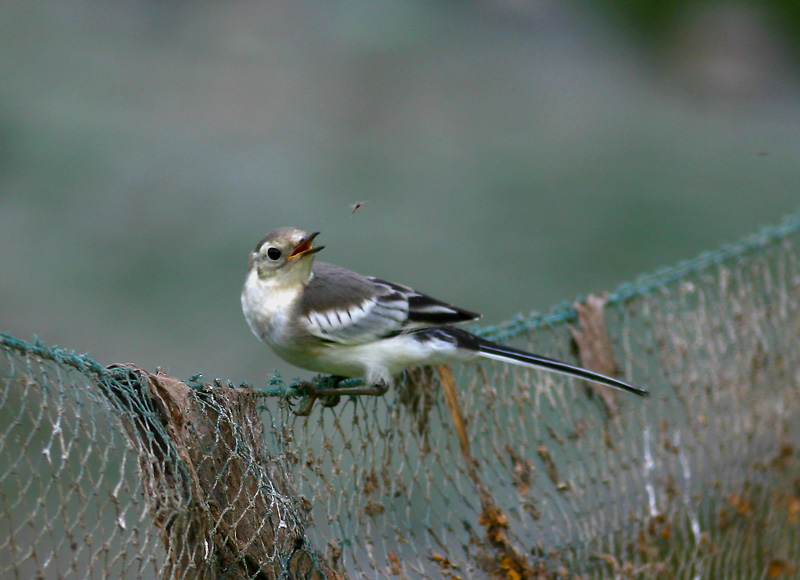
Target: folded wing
343 307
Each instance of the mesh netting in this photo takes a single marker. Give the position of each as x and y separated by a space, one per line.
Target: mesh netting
120 473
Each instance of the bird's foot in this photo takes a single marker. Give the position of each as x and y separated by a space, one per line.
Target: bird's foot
330 396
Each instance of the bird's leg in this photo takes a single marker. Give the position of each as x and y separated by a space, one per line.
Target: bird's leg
331 395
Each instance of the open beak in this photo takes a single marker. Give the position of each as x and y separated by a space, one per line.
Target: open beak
304 247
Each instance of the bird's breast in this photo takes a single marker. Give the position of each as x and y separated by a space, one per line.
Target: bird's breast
268 309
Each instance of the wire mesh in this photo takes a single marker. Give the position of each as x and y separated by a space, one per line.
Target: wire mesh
71 496
119 473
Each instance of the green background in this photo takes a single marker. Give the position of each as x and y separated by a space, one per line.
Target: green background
510 155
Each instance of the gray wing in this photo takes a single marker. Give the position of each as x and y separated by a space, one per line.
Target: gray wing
341 306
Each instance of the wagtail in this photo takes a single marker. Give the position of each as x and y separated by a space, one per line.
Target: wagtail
331 320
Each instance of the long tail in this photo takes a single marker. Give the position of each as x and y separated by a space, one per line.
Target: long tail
509 354
513 355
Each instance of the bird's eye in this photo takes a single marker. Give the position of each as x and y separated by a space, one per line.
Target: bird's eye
273 253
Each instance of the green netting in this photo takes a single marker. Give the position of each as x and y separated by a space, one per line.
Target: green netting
118 473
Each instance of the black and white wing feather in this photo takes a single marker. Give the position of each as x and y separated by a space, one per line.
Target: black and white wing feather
343 307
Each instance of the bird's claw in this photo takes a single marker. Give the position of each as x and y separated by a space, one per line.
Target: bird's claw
310 394
331 396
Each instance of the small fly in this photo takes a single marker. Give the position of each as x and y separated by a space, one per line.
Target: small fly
356 206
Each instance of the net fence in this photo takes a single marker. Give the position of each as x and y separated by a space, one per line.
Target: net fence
490 471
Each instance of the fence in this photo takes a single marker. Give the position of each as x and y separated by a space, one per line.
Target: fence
120 473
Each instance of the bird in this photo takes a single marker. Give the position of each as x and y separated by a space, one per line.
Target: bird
328 319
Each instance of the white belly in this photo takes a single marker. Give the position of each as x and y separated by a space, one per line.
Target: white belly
376 361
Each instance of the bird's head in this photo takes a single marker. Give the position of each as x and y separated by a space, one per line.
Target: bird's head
284 255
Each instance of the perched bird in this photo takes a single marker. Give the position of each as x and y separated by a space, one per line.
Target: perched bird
331 320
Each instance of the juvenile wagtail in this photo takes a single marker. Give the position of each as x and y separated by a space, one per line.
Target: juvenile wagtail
331 320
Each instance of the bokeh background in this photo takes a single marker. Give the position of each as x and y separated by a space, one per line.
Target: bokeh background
510 154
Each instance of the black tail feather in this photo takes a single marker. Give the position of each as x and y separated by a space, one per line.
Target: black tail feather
514 355
503 352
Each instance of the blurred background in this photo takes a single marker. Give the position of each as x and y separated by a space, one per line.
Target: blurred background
509 155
